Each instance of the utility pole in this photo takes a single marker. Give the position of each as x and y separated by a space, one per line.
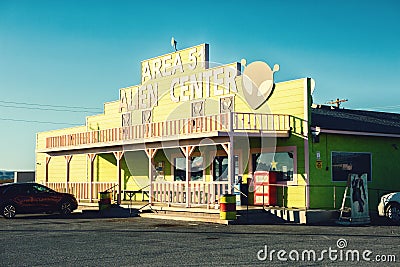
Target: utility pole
337 102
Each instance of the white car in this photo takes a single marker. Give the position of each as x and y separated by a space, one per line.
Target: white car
389 206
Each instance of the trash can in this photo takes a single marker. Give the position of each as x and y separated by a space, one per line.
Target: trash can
104 200
227 204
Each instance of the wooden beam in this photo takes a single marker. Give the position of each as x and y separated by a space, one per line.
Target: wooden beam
118 155
184 150
151 152
91 158
191 150
187 164
225 147
187 150
150 171
68 161
231 166
47 170
68 158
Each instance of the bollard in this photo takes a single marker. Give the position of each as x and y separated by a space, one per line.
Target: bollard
105 200
227 207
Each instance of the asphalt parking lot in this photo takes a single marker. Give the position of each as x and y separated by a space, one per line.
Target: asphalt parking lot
51 240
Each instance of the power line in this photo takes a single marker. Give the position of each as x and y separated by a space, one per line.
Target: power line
47 122
46 105
48 109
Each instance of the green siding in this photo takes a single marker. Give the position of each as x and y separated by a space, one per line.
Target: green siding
385 166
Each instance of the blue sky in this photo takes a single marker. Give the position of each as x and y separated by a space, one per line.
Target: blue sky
79 53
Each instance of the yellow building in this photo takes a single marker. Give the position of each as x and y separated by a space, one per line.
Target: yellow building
189 133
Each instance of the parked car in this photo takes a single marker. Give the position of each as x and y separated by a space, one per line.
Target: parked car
18 198
389 206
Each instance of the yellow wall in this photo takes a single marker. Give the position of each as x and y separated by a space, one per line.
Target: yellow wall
111 118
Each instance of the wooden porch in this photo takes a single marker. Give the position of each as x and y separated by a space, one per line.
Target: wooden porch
150 138
233 122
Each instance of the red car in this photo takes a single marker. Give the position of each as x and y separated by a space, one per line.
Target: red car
33 198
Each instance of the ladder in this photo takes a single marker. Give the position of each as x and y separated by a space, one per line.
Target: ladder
344 208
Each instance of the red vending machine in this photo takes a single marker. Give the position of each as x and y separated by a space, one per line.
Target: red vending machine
264 193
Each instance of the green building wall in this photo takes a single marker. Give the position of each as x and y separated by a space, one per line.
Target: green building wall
325 193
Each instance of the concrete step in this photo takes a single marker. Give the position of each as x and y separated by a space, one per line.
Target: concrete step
181 217
252 216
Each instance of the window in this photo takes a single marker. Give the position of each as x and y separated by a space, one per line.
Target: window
16 190
196 170
146 116
126 119
220 168
345 163
226 104
41 189
280 162
197 108
180 169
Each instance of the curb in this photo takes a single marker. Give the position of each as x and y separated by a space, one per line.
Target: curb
187 219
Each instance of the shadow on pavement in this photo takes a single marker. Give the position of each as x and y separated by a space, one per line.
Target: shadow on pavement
114 211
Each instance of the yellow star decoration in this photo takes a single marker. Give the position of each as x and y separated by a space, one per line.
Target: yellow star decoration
273 165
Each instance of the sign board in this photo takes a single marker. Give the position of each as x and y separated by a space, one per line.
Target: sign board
318 164
359 198
186 76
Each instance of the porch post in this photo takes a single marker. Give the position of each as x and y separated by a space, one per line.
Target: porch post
187 151
231 166
118 155
150 178
91 157
47 170
187 164
151 152
228 147
67 160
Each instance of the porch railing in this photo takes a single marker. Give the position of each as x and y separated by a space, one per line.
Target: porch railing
260 122
199 193
226 122
83 191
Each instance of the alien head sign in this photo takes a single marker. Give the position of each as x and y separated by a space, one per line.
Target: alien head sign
258 82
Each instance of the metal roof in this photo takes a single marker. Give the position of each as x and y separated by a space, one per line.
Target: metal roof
332 118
